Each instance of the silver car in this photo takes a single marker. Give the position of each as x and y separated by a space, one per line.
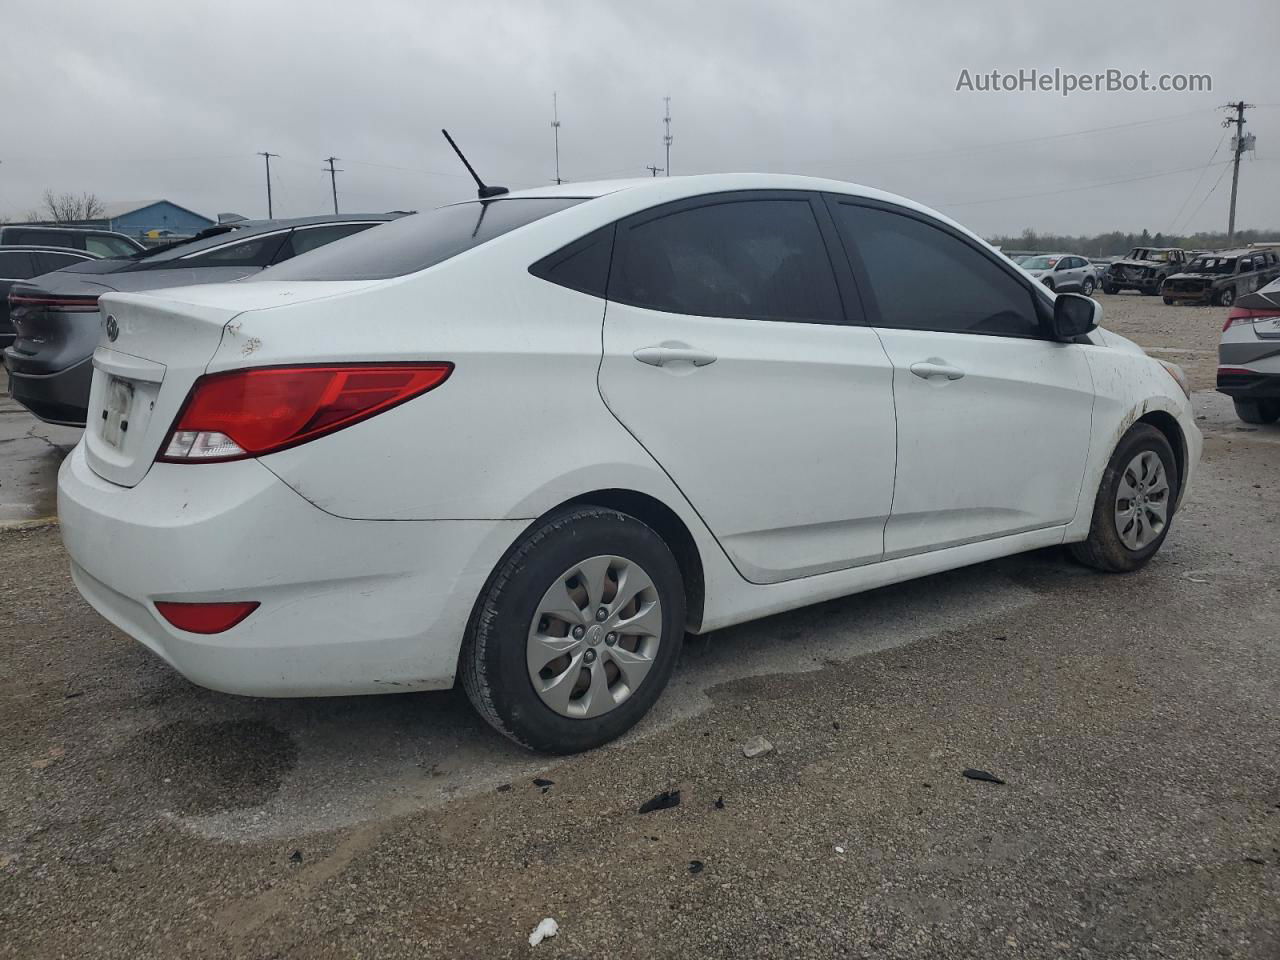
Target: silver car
1063 272
1249 355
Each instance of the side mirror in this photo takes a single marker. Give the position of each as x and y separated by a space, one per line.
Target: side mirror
1074 315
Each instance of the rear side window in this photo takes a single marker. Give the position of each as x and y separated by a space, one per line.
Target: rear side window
47 262
306 239
582 265
48 238
254 252
750 259
414 243
924 278
108 246
15 266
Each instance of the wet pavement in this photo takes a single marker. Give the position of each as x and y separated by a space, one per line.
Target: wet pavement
30 454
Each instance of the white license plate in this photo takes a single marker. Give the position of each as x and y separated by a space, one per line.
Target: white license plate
115 421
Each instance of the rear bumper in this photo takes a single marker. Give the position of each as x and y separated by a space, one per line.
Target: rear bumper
1249 385
59 397
347 606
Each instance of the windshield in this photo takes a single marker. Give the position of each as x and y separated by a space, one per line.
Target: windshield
414 243
1160 256
1040 263
1212 265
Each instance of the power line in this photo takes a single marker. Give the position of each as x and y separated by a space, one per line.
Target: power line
1196 186
267 158
996 145
1225 167
1083 186
333 182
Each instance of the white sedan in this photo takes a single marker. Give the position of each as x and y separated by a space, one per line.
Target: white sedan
531 441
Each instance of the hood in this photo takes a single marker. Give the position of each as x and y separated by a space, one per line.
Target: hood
1139 263
1200 276
1117 342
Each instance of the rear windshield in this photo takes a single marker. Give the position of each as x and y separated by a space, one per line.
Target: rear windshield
414 243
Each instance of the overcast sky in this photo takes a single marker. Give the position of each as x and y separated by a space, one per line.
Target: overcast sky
136 99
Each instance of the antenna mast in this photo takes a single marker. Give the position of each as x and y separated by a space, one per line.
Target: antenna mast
555 126
483 191
667 137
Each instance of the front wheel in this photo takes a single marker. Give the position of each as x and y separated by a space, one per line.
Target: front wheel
577 632
1258 411
1226 297
1087 287
1108 287
1135 503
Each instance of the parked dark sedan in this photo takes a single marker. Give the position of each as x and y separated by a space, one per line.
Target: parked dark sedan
56 319
23 263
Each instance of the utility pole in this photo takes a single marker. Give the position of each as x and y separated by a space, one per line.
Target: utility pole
667 137
267 157
1239 107
555 127
333 181
653 170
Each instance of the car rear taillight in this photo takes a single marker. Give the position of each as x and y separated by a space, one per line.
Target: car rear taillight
249 413
1241 315
69 304
205 617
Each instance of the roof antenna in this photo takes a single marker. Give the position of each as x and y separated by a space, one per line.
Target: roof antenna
484 192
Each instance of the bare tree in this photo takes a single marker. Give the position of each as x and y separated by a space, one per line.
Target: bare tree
70 207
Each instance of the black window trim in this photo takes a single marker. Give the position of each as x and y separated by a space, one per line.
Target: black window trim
1041 303
846 288
543 268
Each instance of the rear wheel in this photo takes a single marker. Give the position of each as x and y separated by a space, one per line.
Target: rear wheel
1087 287
1258 411
1226 297
577 631
1135 503
1168 301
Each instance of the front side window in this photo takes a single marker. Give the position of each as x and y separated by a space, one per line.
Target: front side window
749 259
925 278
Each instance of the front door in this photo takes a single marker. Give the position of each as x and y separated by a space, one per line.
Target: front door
994 420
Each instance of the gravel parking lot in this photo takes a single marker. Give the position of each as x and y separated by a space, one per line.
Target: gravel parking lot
1133 718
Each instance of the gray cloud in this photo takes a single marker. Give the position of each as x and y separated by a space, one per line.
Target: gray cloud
137 99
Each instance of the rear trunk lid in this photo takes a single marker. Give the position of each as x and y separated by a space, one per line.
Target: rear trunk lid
152 349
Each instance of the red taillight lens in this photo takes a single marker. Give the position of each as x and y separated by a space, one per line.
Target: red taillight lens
68 304
249 413
1241 315
205 617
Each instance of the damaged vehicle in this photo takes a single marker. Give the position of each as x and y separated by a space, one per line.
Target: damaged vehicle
1145 269
1249 355
1222 278
529 441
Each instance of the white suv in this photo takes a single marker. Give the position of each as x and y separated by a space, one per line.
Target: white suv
534 439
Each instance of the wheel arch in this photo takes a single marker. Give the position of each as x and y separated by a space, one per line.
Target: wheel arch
668 525
1167 424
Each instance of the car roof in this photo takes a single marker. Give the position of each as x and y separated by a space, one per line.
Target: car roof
644 192
42 248
63 228
244 229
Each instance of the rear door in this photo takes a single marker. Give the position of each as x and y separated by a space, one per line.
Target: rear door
734 352
994 420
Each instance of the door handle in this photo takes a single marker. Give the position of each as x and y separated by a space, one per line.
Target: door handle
673 353
934 367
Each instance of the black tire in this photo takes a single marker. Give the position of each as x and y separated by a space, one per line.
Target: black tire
1108 287
1168 301
493 660
1087 287
1048 284
1225 297
1258 411
1104 550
